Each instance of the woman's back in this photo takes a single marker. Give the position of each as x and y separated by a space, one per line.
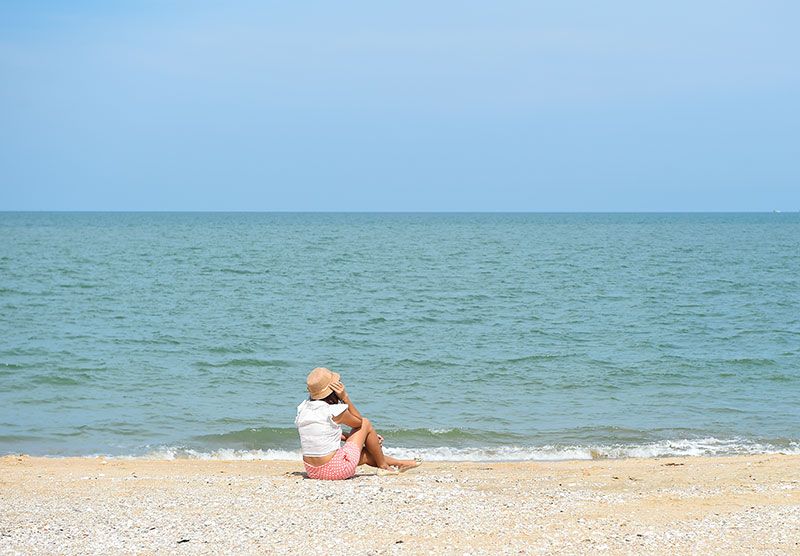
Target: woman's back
319 434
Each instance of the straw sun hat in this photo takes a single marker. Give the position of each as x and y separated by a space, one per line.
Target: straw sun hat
319 382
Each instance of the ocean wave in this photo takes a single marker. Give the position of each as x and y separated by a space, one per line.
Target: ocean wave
244 362
750 362
709 447
666 448
246 271
532 358
427 363
53 379
226 454
282 437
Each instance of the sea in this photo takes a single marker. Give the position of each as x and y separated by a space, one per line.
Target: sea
463 336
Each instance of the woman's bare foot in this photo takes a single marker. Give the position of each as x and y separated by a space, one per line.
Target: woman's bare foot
406 464
388 470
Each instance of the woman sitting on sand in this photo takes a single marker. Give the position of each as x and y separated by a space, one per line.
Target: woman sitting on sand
319 421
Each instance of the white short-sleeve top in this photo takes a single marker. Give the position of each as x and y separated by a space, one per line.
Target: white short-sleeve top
319 435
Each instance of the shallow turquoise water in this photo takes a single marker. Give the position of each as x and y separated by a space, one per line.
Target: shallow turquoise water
507 336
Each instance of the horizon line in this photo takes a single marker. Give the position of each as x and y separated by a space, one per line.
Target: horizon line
187 211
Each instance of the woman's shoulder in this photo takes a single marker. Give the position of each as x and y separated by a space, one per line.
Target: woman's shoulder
311 405
319 410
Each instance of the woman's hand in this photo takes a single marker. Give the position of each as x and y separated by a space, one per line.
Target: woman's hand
338 387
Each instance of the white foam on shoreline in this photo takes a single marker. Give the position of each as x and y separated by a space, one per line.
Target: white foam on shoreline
221 454
665 448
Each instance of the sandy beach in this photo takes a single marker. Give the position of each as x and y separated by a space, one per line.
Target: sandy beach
662 506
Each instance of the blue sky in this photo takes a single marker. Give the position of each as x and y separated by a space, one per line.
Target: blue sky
531 106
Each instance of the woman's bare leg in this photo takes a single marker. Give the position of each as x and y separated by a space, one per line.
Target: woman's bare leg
371 445
372 452
366 458
400 462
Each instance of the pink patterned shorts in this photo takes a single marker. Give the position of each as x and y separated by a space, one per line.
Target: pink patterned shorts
341 466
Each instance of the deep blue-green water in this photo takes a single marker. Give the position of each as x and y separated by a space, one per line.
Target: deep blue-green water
480 336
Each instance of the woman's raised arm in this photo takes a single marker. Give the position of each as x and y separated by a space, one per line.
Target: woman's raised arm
352 413
347 418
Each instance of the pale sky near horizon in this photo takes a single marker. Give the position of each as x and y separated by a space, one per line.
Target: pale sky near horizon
463 106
